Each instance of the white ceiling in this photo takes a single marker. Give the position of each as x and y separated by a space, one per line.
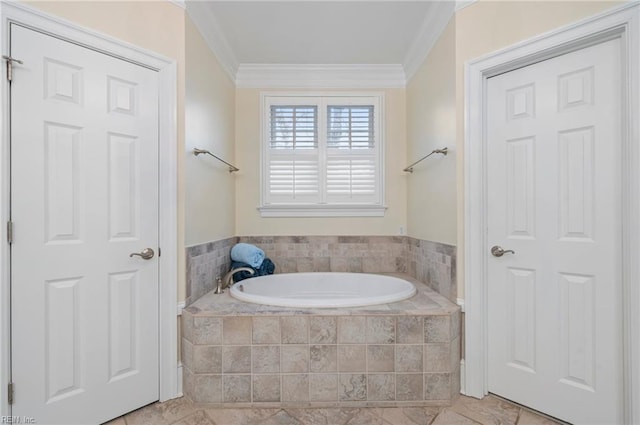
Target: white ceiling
321 32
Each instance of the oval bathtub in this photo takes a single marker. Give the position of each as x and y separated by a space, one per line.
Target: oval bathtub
323 289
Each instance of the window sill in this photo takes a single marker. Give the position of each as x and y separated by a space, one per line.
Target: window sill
322 210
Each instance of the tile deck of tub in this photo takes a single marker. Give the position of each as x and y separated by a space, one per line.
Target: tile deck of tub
402 354
425 302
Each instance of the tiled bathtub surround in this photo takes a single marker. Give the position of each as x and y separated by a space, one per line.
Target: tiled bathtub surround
359 254
406 353
204 263
430 262
433 263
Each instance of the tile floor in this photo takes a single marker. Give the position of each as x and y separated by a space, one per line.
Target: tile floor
465 411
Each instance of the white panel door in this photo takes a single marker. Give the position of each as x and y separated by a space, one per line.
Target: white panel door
84 196
554 182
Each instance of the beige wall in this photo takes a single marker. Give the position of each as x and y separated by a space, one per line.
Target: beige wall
481 28
248 220
487 26
418 120
431 124
209 124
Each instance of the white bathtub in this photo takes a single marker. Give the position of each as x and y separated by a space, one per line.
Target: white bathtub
323 289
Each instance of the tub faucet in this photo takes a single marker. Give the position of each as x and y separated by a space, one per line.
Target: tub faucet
227 280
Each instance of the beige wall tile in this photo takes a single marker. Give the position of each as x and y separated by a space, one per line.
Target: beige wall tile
437 357
409 387
295 358
381 387
236 359
381 329
236 388
437 329
352 358
186 353
266 388
409 358
380 358
323 358
295 387
266 330
206 330
352 387
322 330
351 329
207 359
323 387
236 330
410 330
294 330
265 359
437 386
455 354
207 388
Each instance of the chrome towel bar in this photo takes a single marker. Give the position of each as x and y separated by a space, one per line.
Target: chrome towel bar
409 168
197 152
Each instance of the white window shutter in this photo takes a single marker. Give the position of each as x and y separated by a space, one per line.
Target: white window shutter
351 179
322 156
352 157
293 127
293 170
350 127
293 179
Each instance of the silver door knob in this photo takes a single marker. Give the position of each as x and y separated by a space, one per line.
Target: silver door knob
497 251
146 254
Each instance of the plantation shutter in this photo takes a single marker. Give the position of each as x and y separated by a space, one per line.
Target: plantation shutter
352 174
293 171
322 156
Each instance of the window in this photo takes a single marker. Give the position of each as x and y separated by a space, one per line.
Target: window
322 156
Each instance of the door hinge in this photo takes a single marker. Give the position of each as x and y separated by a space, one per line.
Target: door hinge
10 232
10 62
10 392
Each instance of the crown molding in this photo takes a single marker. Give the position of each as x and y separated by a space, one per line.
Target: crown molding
206 22
434 24
320 76
180 3
461 4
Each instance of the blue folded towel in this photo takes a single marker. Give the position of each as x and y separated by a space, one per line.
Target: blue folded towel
247 253
267 267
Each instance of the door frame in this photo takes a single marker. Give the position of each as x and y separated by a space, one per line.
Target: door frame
167 263
623 23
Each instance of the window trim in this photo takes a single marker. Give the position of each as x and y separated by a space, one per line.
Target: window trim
376 209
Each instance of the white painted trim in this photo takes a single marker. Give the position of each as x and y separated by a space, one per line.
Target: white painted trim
462 377
322 211
460 302
166 68
461 4
5 259
320 76
204 19
180 3
437 18
620 22
181 305
168 241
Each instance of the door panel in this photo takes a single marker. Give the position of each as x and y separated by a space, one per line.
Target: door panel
84 168
554 156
